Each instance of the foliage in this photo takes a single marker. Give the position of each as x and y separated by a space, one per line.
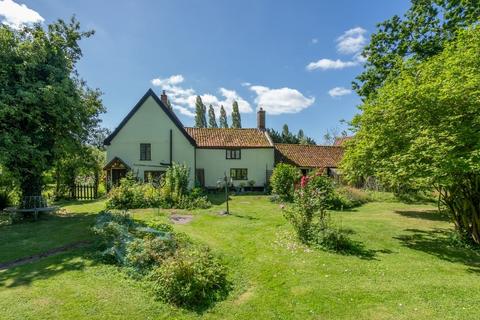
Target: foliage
193 278
349 197
236 119
182 273
423 32
212 120
175 182
309 216
421 131
130 194
223 118
283 180
173 193
287 137
46 109
200 113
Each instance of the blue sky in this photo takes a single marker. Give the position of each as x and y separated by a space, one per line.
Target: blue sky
287 56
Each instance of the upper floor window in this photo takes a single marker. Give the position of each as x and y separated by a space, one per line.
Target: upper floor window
145 151
233 154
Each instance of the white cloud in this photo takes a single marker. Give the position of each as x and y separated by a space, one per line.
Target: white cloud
184 111
282 100
314 41
16 14
183 99
352 41
326 64
339 91
172 80
245 84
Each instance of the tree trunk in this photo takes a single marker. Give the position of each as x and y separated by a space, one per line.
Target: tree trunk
462 200
32 185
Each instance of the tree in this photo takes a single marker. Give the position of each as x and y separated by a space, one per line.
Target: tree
422 33
212 121
421 129
223 118
287 137
45 108
200 113
236 120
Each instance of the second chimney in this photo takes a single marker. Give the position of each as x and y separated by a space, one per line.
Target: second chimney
261 119
164 98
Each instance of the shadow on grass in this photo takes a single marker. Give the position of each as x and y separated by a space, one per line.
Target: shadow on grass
438 242
26 274
433 215
28 248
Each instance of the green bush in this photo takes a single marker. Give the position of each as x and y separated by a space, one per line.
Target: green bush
193 278
182 273
132 194
283 180
175 182
348 197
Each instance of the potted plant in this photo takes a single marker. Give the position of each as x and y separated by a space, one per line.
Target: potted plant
242 186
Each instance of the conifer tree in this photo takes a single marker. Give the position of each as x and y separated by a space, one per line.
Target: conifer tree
223 118
212 121
236 120
200 110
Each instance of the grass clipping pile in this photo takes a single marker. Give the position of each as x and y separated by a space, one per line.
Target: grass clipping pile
180 271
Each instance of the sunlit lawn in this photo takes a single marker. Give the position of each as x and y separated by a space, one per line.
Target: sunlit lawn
410 271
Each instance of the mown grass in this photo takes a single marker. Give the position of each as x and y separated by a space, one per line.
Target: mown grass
410 271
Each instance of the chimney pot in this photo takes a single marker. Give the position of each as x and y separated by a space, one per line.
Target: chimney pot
164 98
261 119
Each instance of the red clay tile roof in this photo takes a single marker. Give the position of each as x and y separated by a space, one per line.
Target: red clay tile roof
339 141
229 138
309 156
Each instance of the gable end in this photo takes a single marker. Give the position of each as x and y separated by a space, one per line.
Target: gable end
167 111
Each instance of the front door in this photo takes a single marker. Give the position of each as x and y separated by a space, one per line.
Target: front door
118 174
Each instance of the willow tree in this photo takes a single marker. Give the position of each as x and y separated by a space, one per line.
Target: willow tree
46 109
422 127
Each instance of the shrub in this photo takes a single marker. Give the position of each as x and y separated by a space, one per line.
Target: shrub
310 218
193 278
182 272
283 180
132 194
348 197
175 182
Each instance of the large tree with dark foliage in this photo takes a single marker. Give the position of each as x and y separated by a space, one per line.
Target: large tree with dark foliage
421 33
223 118
212 120
46 109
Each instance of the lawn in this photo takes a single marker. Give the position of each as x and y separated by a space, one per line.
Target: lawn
407 270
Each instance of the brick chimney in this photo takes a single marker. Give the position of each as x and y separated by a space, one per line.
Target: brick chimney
164 98
261 119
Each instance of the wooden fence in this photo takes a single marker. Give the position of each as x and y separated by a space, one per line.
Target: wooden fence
84 192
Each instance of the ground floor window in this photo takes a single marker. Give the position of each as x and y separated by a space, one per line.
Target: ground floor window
153 176
239 174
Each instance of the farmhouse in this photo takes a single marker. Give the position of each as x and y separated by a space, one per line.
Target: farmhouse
151 137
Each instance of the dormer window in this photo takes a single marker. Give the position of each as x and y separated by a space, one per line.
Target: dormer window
145 152
233 154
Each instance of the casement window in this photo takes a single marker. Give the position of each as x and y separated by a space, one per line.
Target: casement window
145 152
233 154
153 176
239 174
